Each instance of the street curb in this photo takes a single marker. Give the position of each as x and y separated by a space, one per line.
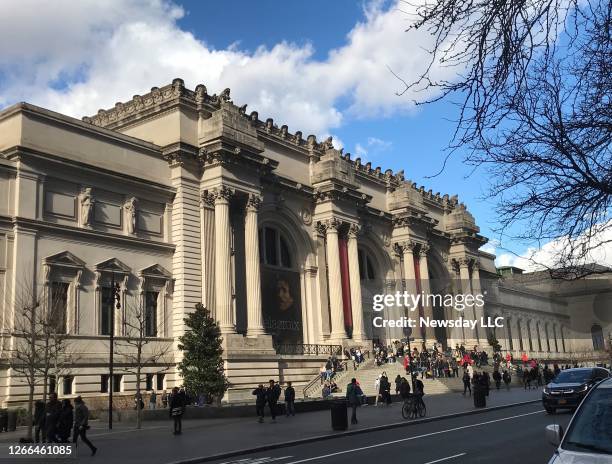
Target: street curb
394 425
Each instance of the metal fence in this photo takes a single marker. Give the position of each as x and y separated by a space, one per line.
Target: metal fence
308 349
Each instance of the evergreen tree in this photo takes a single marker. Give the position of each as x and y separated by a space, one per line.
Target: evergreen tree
202 365
494 342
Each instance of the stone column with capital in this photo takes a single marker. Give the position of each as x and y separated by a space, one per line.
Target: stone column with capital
430 334
253 274
207 212
338 331
356 304
466 288
223 270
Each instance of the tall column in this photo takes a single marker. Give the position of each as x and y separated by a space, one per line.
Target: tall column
253 274
477 290
223 272
207 204
338 333
353 256
464 274
430 334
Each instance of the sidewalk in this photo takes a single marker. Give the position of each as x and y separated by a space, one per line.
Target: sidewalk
155 444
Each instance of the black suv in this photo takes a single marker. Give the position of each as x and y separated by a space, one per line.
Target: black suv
568 388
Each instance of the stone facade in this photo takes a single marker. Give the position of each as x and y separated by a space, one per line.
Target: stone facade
183 197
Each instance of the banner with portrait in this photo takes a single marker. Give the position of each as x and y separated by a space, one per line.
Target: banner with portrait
281 301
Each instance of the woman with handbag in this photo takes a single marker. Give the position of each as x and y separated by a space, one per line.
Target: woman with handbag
177 408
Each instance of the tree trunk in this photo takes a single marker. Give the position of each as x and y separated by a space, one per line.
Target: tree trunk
138 410
30 410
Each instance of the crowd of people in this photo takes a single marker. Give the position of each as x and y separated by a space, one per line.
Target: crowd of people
56 422
269 396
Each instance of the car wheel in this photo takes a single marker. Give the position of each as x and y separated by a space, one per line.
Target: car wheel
550 410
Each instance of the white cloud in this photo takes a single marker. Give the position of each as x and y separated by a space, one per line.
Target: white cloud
534 259
77 57
373 147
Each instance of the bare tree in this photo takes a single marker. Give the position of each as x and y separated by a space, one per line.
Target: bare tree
140 348
534 81
26 352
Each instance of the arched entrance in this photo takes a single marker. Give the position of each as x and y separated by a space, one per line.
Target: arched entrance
440 285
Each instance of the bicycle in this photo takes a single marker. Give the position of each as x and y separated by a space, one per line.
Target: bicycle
414 407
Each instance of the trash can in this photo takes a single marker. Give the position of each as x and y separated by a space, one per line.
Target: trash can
339 417
12 420
3 420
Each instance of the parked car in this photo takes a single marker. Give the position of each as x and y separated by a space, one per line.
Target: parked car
570 386
588 439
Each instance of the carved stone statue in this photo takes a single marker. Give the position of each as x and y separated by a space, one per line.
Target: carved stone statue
87 206
131 210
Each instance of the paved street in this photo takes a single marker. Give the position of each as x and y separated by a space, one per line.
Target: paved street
155 444
513 435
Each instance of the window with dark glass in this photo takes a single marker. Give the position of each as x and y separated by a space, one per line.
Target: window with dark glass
273 248
597 337
151 314
149 382
106 311
59 306
117 382
52 384
68 381
160 381
366 267
509 325
104 383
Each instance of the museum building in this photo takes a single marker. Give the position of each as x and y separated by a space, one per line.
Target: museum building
179 197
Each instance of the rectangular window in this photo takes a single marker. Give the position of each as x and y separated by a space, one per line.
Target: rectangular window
104 383
68 384
52 384
59 306
160 381
106 311
117 382
149 382
270 245
151 314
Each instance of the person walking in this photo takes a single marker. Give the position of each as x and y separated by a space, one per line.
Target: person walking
506 378
153 400
81 419
260 402
177 408
164 399
398 384
353 396
290 400
65 422
466 383
39 421
497 378
273 393
52 413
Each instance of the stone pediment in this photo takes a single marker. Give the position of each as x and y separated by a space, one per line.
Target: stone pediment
156 272
112 265
64 259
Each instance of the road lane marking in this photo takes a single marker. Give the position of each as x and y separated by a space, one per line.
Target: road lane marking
378 445
264 460
447 458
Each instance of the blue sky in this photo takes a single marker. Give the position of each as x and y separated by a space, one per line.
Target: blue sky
319 66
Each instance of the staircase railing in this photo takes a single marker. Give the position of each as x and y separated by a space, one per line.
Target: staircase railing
338 375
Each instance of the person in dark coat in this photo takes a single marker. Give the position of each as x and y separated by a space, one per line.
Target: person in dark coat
273 393
260 402
497 378
81 418
507 379
404 389
39 421
178 401
52 414
290 399
466 383
66 418
398 384
353 396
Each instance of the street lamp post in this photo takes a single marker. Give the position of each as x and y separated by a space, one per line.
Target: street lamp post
115 302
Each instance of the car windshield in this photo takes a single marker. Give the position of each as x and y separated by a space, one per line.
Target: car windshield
591 429
573 376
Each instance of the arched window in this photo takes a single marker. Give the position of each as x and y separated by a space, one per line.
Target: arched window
366 266
597 336
273 248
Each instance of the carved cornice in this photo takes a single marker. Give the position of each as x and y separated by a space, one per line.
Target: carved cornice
177 154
